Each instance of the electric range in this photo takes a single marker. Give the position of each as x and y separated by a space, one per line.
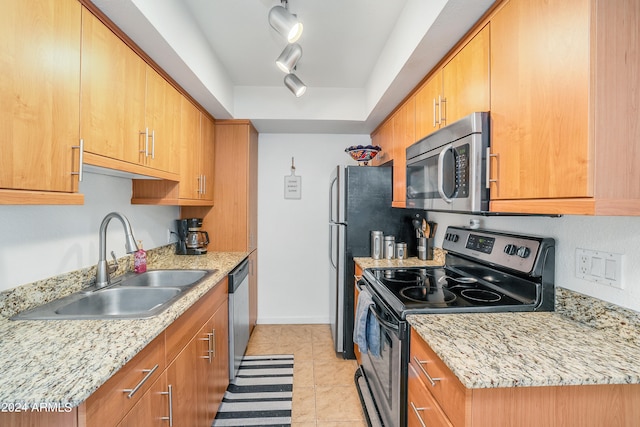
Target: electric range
485 271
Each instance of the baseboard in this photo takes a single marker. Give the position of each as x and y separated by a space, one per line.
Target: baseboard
293 321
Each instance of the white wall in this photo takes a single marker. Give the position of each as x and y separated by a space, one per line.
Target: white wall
37 242
293 244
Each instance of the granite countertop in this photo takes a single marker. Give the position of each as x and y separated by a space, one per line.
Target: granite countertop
64 361
367 262
529 349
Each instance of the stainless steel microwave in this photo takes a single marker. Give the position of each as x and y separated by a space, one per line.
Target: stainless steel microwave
448 170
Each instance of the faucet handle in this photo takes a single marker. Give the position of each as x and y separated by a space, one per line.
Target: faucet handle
113 268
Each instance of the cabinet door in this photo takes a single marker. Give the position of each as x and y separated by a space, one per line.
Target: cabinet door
162 116
403 136
539 100
465 79
383 137
219 371
189 151
206 157
39 94
183 375
152 410
113 94
253 190
428 106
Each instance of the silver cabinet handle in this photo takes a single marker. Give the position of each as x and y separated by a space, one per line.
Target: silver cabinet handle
417 412
146 142
424 371
213 343
170 394
80 160
204 185
153 144
441 101
434 112
133 391
489 156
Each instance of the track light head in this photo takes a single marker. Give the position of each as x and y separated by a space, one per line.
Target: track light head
295 85
285 23
289 57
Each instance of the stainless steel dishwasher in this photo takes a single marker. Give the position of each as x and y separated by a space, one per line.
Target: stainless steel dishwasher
238 315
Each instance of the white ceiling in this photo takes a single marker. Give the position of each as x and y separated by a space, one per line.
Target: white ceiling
360 57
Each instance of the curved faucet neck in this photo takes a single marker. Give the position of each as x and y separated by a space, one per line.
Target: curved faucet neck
102 273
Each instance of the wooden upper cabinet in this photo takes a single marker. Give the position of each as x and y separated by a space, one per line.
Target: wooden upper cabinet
383 138
564 107
233 218
403 136
207 156
130 115
39 99
162 119
459 88
113 94
190 177
428 106
465 79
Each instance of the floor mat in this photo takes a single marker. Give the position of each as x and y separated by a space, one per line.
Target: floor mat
260 395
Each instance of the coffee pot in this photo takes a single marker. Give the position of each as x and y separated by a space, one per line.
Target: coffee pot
191 239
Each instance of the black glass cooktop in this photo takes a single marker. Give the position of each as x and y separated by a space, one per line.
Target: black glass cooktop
436 288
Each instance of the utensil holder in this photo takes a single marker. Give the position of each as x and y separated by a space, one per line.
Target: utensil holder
425 248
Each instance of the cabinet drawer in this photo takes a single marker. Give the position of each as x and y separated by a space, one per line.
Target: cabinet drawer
423 410
180 332
116 397
438 379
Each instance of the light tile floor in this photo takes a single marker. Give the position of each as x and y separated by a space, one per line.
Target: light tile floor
324 392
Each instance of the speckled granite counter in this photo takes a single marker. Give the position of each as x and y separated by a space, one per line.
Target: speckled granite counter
367 262
538 349
64 362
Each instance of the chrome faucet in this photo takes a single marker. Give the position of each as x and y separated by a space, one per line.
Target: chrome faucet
102 273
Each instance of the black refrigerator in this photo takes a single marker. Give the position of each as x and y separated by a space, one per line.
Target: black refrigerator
360 202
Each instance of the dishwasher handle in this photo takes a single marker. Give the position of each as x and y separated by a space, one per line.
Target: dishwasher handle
238 275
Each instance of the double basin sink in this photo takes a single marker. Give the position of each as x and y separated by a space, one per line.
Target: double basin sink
133 296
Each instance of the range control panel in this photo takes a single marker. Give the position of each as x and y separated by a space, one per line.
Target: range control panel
507 250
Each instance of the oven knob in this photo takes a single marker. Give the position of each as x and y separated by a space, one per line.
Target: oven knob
454 238
510 249
523 252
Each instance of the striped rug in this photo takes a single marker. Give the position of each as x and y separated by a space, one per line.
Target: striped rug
260 395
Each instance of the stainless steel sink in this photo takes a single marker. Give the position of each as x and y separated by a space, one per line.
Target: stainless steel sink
135 296
164 278
119 302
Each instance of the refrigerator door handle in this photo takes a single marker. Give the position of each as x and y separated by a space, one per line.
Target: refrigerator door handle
333 182
331 244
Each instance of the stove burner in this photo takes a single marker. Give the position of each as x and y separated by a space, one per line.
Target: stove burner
404 277
421 294
459 282
481 295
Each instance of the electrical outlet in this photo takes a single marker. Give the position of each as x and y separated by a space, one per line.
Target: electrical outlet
600 267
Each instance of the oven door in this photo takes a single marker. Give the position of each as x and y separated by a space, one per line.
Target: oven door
386 372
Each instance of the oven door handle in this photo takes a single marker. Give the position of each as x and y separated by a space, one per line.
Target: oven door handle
385 323
441 173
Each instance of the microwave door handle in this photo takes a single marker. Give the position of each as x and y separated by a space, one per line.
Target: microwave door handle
441 173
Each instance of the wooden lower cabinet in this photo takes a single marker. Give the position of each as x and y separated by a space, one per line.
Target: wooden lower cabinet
153 408
444 401
183 372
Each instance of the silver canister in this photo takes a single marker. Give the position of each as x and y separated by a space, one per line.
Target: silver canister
401 250
425 248
376 244
389 246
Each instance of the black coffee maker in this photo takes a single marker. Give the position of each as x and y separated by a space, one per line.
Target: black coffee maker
191 239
